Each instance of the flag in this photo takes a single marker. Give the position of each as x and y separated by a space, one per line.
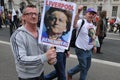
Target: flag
117 20
13 14
0 9
19 13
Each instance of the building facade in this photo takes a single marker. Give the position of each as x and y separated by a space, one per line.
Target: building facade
111 6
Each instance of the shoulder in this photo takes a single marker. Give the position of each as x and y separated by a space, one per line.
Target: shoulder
80 22
19 33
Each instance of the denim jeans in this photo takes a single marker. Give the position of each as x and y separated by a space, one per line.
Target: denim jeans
59 71
84 59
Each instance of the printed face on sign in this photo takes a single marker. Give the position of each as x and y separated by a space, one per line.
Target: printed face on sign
58 22
91 34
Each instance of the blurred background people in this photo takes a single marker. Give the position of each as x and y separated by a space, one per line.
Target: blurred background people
101 29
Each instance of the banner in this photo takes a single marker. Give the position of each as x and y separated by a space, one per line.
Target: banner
13 14
57 23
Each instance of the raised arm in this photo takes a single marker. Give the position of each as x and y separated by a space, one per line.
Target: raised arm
80 7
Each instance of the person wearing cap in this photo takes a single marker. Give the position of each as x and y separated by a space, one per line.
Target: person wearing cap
84 45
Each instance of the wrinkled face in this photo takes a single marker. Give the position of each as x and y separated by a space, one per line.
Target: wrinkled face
58 22
90 16
31 16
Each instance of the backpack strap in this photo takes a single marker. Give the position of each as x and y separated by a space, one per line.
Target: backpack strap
80 27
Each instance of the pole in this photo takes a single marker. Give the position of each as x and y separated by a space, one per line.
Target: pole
40 5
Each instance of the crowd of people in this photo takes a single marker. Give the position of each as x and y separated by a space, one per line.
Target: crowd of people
6 19
12 19
114 25
30 56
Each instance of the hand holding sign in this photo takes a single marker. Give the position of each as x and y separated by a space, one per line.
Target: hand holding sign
51 55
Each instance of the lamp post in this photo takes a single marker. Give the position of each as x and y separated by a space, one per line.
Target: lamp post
22 6
10 4
40 4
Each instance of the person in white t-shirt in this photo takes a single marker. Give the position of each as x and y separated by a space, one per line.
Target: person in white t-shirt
84 44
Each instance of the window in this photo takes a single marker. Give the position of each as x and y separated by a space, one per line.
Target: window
114 11
84 0
100 0
72 0
99 8
115 0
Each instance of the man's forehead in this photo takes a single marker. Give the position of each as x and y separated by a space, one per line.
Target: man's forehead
33 8
29 9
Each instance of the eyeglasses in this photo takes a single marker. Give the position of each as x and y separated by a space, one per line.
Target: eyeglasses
31 14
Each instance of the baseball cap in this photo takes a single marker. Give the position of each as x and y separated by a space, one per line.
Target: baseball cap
91 10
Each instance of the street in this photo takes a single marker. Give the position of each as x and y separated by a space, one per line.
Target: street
105 66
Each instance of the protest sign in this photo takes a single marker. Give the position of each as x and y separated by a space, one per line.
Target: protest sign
57 23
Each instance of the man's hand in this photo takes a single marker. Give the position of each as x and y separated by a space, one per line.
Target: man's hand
52 61
94 49
80 7
51 53
68 54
